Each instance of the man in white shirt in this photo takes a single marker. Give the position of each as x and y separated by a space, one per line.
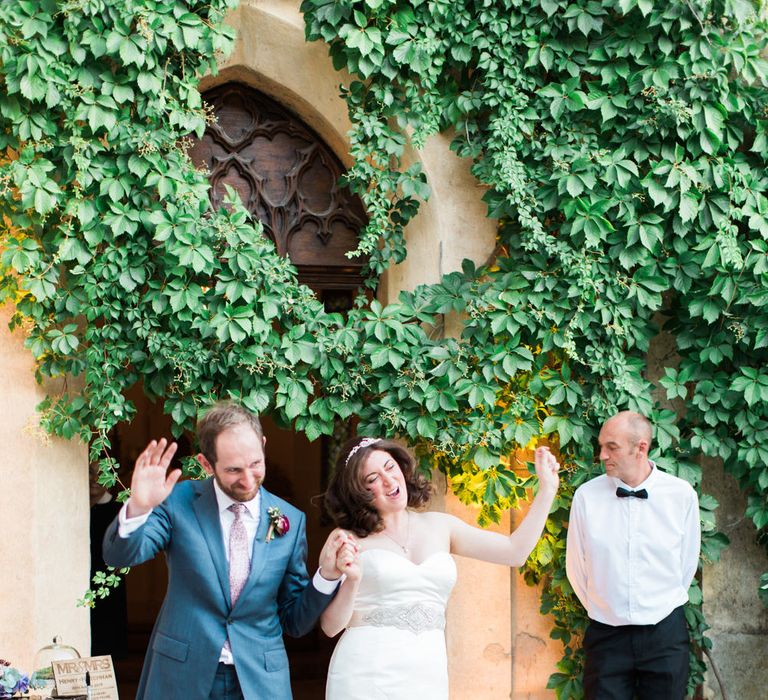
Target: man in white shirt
632 552
237 576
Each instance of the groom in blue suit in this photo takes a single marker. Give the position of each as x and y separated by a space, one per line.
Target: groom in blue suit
237 576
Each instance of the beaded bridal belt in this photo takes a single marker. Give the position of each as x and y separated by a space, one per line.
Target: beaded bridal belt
418 617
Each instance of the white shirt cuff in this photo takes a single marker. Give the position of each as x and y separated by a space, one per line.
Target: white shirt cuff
324 585
128 525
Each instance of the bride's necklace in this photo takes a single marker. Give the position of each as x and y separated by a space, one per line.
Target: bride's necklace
404 547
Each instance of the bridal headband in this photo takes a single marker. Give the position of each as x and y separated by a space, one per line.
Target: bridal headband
365 442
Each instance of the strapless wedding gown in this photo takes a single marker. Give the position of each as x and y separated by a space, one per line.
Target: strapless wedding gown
394 646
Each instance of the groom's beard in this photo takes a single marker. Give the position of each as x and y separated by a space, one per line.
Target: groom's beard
239 493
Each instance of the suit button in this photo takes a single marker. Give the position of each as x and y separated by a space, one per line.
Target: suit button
229 620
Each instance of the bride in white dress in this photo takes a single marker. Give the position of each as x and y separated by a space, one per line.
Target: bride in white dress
400 572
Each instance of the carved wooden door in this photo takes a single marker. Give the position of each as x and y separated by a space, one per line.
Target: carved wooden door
288 178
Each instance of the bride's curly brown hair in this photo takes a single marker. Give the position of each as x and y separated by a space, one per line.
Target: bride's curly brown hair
349 502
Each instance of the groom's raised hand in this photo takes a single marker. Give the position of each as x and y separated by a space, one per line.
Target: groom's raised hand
150 484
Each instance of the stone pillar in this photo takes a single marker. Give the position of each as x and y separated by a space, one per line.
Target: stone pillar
498 642
44 527
534 655
737 618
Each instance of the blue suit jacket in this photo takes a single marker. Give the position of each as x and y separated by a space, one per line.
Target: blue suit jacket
197 616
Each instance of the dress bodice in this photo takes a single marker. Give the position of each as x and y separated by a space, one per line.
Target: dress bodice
392 583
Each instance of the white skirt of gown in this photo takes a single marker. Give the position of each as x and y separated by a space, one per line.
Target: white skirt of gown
399 654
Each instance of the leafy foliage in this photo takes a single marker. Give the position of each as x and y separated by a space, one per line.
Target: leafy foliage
623 145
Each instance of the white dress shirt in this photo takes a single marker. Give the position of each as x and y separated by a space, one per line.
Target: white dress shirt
631 560
250 516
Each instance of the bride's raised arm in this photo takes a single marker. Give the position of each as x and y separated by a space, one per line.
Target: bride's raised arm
514 550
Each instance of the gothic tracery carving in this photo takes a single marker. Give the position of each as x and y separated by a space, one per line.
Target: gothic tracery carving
288 178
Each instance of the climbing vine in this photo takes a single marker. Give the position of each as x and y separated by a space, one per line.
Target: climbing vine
623 146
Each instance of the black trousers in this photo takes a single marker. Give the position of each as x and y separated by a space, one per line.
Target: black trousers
226 685
647 662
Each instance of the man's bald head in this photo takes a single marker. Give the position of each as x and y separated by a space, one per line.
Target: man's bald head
625 440
634 425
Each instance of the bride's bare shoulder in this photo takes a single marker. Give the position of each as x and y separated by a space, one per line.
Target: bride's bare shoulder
434 518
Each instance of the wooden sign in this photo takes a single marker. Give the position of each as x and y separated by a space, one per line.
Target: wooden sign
70 677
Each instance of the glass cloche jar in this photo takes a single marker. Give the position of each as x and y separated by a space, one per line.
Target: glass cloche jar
56 651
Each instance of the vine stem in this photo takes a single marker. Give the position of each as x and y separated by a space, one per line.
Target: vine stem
718 677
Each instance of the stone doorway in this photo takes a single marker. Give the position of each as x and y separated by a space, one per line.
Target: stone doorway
287 177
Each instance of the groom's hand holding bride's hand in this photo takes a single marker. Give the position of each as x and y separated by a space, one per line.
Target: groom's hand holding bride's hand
348 559
338 549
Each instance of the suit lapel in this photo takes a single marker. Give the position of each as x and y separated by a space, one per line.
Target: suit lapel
207 512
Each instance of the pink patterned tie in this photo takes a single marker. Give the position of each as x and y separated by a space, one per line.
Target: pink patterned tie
239 556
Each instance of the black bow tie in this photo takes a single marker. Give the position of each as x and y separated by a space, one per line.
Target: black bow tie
621 492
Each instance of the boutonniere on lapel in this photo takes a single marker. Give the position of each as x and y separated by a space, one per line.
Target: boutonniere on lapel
278 523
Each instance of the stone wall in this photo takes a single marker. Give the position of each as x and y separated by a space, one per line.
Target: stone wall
44 531
737 617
